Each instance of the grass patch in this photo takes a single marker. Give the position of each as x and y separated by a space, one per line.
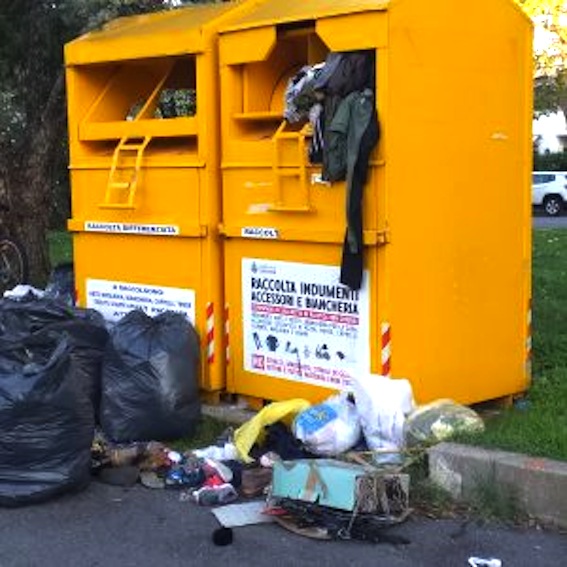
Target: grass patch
60 247
495 501
540 427
208 431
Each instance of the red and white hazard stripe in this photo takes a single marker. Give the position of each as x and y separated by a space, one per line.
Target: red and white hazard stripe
386 349
227 332
210 333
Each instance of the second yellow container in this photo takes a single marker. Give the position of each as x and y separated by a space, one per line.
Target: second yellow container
445 300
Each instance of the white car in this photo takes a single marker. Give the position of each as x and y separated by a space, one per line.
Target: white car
549 190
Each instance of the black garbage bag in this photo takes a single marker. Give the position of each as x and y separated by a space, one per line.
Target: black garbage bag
61 283
85 329
46 421
87 343
27 315
150 378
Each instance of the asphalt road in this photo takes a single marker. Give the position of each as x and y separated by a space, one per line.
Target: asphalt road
541 221
109 526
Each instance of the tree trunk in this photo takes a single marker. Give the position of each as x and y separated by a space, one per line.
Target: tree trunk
27 185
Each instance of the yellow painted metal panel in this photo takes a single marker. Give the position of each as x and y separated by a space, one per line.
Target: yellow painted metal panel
168 33
250 198
354 31
114 130
171 193
276 12
251 45
458 184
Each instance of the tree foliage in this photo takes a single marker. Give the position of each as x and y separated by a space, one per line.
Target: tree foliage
550 53
32 108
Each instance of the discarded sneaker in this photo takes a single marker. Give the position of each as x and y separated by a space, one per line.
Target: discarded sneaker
220 469
213 480
185 477
214 495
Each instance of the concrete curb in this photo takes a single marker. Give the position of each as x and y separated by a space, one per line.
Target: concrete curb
539 485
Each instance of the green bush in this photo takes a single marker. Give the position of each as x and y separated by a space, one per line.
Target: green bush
550 161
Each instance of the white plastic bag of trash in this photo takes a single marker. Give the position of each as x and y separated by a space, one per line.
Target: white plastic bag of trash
330 428
382 404
439 421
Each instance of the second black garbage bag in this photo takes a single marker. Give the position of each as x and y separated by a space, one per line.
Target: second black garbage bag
150 378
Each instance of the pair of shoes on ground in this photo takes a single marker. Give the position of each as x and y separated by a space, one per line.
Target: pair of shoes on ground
213 495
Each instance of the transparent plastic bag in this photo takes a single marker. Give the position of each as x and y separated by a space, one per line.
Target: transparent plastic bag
383 404
330 428
439 421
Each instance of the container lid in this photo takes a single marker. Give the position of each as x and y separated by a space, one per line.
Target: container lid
160 34
273 12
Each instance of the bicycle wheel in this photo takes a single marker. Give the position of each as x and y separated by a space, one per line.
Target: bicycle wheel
13 264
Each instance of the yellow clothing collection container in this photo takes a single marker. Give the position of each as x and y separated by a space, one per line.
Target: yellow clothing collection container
447 215
220 214
144 161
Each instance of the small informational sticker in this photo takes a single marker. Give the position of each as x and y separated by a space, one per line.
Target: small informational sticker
260 232
115 299
300 324
132 228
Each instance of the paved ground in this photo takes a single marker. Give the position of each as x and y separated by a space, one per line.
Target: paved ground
541 221
108 526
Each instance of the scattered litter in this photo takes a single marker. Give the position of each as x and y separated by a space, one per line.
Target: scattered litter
268 459
383 404
242 514
224 472
440 420
300 526
223 536
329 428
24 291
174 456
344 486
321 522
480 562
150 479
214 495
278 439
227 452
253 430
255 480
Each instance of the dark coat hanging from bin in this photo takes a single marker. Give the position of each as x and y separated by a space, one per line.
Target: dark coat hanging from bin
351 132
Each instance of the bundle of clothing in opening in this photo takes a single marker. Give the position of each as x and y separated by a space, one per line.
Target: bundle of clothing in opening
338 98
